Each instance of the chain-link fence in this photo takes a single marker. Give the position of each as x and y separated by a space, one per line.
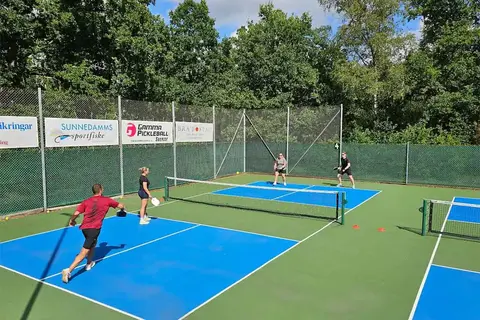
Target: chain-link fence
72 168
20 168
54 146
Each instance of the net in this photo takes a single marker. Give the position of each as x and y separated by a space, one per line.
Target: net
280 200
451 218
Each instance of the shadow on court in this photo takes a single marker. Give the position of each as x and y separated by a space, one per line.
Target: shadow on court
100 252
38 287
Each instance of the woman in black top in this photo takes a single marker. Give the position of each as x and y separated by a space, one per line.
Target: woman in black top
144 195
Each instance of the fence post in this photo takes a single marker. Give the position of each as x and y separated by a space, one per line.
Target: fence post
120 131
244 143
406 162
174 143
42 149
288 134
341 136
214 147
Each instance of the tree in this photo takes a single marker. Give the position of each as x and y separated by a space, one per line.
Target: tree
17 37
373 77
276 57
444 72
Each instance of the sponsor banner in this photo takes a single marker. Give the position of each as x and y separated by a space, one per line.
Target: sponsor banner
18 132
146 132
194 132
62 132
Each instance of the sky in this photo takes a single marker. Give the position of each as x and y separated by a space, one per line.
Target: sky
229 15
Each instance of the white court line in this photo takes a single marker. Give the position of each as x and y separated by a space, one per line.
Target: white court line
269 261
430 262
290 193
323 186
130 249
150 207
72 293
270 199
463 221
218 227
135 317
53 230
453 268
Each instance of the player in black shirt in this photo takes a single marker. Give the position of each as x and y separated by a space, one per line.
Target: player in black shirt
345 168
144 195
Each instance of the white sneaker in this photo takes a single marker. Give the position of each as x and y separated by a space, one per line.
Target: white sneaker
89 267
353 187
143 221
285 184
339 185
274 183
147 218
65 275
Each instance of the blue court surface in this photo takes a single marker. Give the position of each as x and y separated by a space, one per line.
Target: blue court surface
452 293
160 271
465 214
281 193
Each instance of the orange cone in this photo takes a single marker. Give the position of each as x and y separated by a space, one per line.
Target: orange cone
356 226
381 229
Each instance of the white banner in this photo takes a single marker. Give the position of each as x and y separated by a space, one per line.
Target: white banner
146 132
18 132
194 132
62 132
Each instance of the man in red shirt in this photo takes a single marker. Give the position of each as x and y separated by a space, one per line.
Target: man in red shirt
94 209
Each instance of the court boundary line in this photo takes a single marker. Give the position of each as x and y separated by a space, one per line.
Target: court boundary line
148 207
286 189
112 216
463 221
72 293
322 186
429 265
290 193
283 201
218 227
183 230
454 268
129 249
468 198
269 261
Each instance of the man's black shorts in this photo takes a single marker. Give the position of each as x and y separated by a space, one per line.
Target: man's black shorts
282 171
348 172
91 236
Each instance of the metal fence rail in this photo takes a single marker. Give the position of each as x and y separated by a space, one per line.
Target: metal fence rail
43 175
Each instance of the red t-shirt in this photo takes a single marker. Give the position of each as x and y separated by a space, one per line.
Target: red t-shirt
94 210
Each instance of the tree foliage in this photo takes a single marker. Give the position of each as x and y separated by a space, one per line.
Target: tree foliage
394 88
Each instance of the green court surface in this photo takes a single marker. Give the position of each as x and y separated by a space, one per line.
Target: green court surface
339 273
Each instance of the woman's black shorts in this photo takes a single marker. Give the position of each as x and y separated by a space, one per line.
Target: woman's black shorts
142 194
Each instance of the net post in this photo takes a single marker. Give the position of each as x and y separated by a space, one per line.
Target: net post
120 131
288 134
344 200
244 143
430 215
424 217
406 161
166 187
174 143
214 145
42 149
